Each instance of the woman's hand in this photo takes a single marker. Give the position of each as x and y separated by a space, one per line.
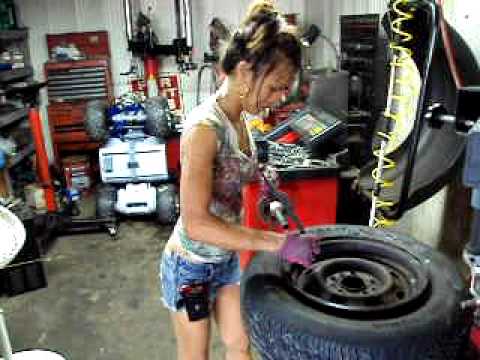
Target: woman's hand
272 241
300 248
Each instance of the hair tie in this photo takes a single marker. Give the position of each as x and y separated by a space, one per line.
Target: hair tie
239 40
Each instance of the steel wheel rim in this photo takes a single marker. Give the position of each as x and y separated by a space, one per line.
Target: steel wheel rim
361 278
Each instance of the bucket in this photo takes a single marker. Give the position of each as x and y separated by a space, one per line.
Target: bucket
13 236
37 354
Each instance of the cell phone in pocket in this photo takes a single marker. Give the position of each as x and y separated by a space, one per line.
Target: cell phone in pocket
195 298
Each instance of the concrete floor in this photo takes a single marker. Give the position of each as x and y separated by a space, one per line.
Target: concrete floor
102 301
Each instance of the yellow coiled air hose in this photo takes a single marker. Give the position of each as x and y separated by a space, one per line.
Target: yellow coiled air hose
401 93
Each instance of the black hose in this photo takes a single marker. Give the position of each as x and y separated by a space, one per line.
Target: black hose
407 178
338 59
199 80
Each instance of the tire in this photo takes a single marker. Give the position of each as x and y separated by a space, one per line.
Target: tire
285 326
96 121
159 118
105 202
167 204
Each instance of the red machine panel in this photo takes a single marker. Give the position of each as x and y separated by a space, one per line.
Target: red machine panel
314 199
173 156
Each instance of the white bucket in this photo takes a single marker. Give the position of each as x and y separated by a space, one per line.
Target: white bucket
37 355
12 236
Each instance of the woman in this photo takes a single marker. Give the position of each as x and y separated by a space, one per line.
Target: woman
199 270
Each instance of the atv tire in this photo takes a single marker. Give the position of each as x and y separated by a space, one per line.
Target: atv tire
105 202
167 204
96 120
159 118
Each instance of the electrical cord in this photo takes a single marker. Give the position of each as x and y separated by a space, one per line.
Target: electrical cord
449 48
199 80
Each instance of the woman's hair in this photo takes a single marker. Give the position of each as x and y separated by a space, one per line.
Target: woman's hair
263 39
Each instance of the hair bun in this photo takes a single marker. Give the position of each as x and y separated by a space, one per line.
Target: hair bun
261 38
260 9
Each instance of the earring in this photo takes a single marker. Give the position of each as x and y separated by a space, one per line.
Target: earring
244 92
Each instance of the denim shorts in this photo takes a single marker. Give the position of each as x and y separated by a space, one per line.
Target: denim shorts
176 271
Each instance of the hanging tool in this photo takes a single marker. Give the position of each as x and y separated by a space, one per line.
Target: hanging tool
275 204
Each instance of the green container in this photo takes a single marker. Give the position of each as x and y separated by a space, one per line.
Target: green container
8 20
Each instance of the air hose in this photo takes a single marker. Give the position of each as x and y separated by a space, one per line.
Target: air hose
402 93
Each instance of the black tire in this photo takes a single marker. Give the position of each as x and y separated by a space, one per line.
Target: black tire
105 202
96 121
167 204
159 118
282 326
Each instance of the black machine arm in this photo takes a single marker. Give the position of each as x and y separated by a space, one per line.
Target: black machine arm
431 155
401 206
279 205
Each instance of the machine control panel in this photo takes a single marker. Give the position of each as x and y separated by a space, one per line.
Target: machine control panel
314 127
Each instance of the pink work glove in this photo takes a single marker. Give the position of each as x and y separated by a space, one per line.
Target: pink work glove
300 248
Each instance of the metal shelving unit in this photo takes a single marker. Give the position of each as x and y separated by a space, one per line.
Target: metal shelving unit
22 155
15 74
14 35
12 117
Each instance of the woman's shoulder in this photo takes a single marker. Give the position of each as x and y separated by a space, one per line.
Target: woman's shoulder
204 114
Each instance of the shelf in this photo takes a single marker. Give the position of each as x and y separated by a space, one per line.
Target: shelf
15 74
11 118
13 34
17 159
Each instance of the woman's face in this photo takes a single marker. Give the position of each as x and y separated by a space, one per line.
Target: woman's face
268 90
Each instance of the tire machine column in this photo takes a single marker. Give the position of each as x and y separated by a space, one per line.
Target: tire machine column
467 120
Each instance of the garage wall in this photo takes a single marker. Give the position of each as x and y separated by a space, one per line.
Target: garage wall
55 16
326 15
466 20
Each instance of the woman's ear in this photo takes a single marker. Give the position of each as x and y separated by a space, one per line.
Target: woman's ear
244 73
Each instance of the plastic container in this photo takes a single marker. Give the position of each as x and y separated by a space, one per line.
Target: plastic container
25 272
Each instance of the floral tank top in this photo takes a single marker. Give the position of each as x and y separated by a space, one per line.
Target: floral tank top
232 169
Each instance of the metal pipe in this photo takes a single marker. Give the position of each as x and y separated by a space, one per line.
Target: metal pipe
179 15
449 48
6 345
183 15
127 6
338 59
199 80
188 23
43 169
383 146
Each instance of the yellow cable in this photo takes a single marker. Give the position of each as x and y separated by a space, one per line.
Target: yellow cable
404 99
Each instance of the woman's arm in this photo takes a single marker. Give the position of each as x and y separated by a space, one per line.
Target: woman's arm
199 148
